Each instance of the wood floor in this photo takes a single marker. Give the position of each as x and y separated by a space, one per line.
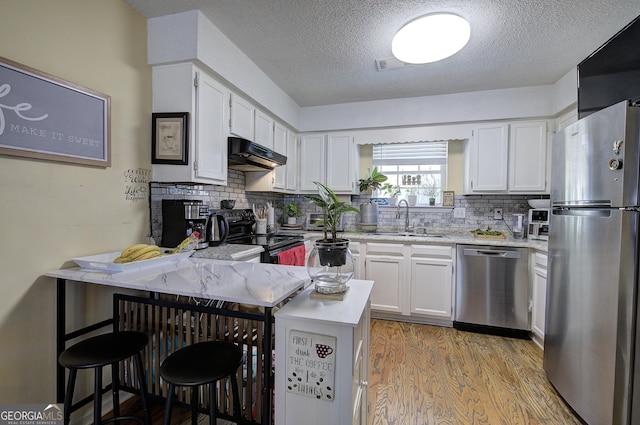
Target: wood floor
430 375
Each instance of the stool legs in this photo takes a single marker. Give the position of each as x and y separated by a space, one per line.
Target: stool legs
68 398
143 388
97 396
167 407
212 403
237 412
195 391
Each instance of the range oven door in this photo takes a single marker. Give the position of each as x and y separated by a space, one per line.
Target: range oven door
271 255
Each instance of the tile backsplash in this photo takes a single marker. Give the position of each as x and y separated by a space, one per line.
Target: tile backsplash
479 208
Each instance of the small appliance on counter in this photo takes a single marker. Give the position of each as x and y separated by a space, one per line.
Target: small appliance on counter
182 217
538 224
217 230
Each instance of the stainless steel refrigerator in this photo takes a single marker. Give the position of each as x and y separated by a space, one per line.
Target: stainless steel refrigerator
591 336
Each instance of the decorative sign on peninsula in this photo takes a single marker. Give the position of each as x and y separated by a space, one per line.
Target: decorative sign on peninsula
45 117
311 365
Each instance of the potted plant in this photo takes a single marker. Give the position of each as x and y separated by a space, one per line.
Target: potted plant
412 197
392 192
369 210
430 190
330 263
292 210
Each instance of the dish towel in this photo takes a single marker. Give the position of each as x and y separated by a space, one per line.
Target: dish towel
292 257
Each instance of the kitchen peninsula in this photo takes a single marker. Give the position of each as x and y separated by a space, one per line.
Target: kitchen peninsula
194 300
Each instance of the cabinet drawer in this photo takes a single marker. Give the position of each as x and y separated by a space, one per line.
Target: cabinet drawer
540 260
385 249
432 251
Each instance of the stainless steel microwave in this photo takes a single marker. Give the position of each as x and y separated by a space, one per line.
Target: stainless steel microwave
314 222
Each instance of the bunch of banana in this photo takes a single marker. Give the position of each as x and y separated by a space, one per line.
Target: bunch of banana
138 252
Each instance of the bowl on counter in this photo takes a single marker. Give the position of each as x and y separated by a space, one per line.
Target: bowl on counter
227 204
539 203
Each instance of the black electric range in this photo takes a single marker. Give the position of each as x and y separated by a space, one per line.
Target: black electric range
241 231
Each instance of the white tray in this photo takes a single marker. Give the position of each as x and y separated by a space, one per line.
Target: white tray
105 262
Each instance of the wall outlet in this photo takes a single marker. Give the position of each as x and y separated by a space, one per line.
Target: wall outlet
497 213
459 212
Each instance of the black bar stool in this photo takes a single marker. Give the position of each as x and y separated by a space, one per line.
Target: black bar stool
200 364
97 352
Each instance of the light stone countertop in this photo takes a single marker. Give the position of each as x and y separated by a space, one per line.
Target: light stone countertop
452 236
229 252
255 284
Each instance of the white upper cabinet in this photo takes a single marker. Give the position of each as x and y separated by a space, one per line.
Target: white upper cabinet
291 183
312 161
328 159
242 118
489 156
186 88
528 157
263 130
507 158
280 146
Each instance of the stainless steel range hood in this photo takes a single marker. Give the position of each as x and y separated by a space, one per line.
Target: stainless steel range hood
245 155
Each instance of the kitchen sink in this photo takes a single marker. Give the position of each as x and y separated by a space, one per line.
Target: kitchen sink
423 235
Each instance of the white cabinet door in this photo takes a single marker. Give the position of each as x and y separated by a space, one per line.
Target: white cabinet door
489 158
340 163
280 146
539 295
263 129
431 287
291 183
211 140
312 165
528 157
241 120
385 264
184 87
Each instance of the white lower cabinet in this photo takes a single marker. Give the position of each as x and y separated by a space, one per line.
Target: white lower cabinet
538 295
385 265
414 280
322 359
432 281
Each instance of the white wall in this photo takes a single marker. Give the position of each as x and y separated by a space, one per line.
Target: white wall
53 211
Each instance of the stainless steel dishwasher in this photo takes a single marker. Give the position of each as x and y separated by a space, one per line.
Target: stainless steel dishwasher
492 289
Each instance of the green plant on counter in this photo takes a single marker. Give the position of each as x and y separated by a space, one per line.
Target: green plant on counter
489 231
292 209
374 181
390 190
332 209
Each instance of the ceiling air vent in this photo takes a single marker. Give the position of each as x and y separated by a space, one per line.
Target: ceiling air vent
387 64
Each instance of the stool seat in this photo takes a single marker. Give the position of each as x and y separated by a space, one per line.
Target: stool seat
201 363
103 350
97 352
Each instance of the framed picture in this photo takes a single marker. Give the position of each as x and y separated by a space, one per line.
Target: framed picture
448 198
170 136
45 117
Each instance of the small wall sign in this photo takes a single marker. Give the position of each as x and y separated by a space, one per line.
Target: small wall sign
311 365
448 198
46 117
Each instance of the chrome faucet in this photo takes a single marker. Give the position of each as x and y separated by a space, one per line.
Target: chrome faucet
406 214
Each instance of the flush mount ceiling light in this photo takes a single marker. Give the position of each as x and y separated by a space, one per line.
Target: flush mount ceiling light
431 38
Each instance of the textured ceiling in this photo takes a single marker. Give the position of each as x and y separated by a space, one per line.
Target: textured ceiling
323 51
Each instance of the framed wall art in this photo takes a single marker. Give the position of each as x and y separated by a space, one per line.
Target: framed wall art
170 136
46 117
448 198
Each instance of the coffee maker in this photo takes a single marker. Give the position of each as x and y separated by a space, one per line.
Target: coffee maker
181 218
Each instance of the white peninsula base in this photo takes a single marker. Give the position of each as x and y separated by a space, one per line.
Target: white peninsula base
322 358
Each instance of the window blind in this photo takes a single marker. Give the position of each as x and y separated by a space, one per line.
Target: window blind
416 153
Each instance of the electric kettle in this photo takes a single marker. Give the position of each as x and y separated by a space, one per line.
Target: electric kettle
217 230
